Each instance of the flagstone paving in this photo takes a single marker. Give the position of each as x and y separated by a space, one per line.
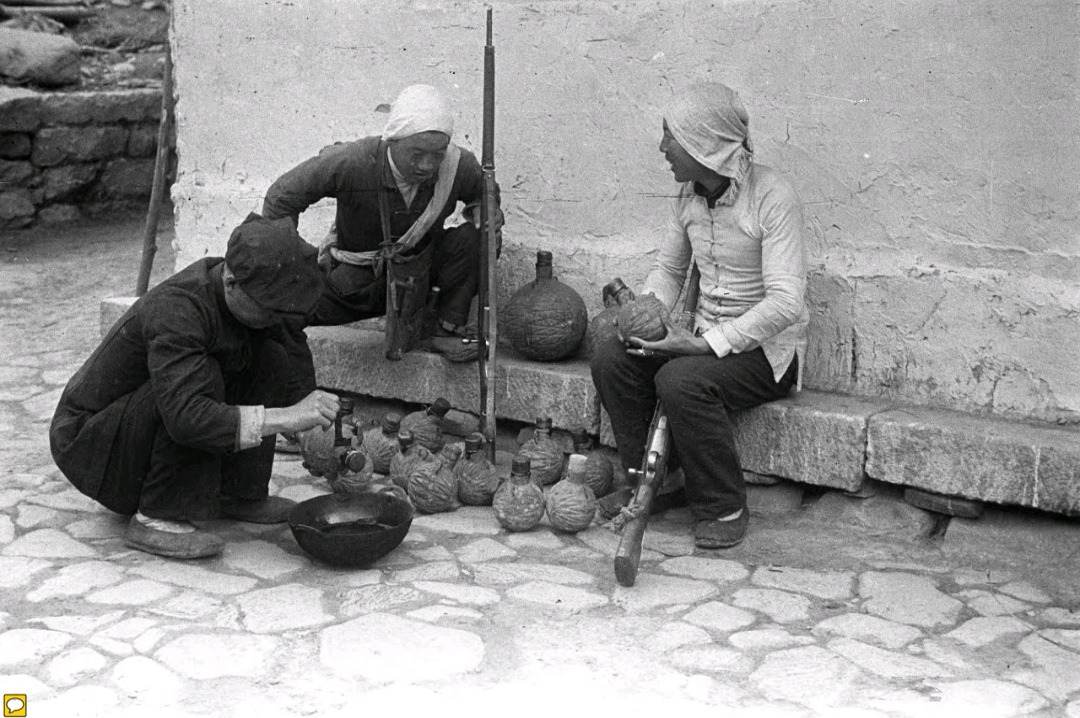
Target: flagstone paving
816 614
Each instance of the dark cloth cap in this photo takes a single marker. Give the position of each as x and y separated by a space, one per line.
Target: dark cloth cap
274 265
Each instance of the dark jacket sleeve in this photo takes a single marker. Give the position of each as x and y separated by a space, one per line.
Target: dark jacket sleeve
188 382
301 364
325 175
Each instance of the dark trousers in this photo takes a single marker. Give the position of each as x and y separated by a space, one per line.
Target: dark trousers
352 293
149 472
698 394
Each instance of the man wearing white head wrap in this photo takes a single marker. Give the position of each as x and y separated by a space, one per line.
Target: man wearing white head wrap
425 176
712 125
419 108
741 223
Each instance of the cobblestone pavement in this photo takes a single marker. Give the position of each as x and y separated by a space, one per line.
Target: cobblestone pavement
838 606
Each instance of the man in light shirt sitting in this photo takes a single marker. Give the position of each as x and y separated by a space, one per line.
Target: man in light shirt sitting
742 224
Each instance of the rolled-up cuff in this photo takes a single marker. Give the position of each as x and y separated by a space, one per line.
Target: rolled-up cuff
719 343
249 432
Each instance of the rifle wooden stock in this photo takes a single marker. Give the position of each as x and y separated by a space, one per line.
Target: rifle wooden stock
650 479
486 310
653 469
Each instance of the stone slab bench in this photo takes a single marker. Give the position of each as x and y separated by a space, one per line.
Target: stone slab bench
812 437
816 438
352 359
975 457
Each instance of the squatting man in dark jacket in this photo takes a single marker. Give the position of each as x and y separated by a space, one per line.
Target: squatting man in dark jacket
173 417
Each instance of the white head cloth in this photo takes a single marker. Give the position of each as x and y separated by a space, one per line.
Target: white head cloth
711 123
419 108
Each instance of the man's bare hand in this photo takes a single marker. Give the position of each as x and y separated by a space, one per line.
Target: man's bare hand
317 409
677 342
472 213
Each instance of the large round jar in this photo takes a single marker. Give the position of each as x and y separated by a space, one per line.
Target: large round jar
545 320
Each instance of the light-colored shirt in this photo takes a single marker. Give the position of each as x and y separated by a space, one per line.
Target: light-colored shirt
408 191
750 251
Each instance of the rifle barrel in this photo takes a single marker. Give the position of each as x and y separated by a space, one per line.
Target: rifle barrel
486 310
488 150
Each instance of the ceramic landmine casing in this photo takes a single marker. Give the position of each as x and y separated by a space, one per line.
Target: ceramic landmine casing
518 502
571 504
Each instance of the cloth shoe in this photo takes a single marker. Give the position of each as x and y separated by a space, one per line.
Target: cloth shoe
191 544
456 349
271 510
458 344
721 534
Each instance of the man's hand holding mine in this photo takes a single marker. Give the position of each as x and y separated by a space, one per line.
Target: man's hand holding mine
677 342
472 213
317 409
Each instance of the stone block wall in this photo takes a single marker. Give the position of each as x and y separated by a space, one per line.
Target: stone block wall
64 155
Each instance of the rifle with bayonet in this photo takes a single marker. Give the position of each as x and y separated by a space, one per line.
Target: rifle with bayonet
653 470
486 296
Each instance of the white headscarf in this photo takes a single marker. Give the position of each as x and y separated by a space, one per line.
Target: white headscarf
711 124
419 108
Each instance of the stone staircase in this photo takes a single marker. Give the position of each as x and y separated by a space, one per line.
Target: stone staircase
815 438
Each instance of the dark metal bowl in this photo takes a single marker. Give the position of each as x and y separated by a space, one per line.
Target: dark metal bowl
351 531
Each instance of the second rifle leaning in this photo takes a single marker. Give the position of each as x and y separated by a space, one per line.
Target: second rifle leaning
650 476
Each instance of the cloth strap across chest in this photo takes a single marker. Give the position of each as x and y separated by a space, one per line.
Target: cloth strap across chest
376 258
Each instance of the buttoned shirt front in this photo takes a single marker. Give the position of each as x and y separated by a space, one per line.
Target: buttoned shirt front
750 251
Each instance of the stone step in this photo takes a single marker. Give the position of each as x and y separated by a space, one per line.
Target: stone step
977 457
816 438
813 437
349 358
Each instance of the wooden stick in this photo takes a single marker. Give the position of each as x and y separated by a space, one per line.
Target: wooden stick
157 189
68 14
